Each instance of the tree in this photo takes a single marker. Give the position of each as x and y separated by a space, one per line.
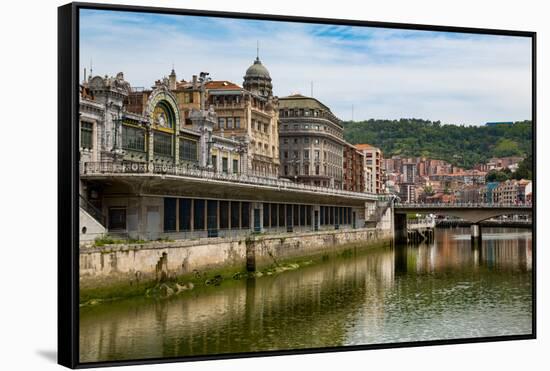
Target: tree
459 145
497 176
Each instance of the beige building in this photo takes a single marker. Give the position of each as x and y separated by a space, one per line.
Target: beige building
312 144
249 114
373 161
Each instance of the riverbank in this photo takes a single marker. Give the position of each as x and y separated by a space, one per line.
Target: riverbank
163 269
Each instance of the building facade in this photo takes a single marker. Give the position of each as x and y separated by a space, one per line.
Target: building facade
355 173
311 142
373 160
200 159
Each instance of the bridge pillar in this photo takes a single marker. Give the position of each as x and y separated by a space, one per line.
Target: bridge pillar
475 231
400 228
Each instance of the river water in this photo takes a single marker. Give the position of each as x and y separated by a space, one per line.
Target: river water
445 290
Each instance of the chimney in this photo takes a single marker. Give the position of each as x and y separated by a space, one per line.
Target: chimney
194 81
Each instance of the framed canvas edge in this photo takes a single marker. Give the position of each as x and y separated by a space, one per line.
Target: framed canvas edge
68 178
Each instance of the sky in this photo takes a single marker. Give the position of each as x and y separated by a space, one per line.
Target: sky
456 78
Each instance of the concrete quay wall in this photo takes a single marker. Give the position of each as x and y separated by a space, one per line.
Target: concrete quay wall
128 263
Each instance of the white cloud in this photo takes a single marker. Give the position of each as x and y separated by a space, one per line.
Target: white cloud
469 79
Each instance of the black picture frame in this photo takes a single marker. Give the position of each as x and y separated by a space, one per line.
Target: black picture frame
68 177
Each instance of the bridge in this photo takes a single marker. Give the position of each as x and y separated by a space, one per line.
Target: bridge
471 212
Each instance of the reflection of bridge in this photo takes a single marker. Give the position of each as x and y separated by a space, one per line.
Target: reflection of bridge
474 213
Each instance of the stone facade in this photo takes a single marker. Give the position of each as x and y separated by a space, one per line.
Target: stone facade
312 144
156 161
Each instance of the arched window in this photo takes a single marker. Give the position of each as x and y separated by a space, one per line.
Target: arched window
163 115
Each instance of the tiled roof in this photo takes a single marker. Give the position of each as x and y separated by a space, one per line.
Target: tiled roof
222 85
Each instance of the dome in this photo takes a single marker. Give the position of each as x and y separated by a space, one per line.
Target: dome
257 70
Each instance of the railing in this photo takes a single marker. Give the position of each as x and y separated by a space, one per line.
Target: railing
464 205
104 168
421 223
92 210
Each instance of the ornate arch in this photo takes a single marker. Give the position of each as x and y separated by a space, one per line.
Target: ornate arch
162 109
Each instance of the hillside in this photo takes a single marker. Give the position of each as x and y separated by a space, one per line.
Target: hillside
460 145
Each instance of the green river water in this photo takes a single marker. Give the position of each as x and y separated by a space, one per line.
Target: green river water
445 290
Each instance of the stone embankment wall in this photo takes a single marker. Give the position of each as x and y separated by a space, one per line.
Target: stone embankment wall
155 260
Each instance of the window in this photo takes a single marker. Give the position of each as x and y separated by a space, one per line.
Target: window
281 215
224 214
162 144
86 134
117 218
225 164
169 214
235 211
295 140
286 169
185 214
259 126
215 162
306 154
316 141
266 215
296 127
221 122
285 154
306 140
295 154
237 122
317 170
306 169
285 140
245 215
235 166
198 220
317 155
316 127
188 150
273 215
306 126
229 123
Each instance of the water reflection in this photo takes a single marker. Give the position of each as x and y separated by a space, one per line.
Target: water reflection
447 289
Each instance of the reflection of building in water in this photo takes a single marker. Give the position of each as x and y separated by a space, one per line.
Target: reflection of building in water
452 250
315 304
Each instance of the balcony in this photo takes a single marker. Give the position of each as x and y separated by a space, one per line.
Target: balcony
113 169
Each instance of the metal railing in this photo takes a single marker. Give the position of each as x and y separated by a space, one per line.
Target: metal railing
92 210
111 168
464 205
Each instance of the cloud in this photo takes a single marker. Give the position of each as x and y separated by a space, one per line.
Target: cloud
383 73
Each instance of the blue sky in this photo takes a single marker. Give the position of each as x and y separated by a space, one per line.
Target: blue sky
384 73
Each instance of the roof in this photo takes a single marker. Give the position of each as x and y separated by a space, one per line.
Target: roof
301 101
257 70
364 146
222 84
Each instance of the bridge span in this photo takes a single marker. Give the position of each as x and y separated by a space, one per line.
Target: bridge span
473 213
